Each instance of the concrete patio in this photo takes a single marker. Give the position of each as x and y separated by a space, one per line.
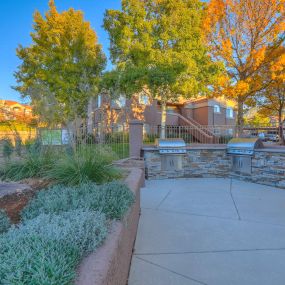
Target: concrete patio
210 231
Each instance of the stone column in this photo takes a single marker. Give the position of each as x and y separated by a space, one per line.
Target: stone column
136 138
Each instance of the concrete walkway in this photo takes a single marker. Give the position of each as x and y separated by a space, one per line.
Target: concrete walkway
210 231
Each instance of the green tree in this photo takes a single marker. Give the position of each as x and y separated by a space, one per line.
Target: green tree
160 43
61 69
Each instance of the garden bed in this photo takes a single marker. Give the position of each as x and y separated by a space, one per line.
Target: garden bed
62 225
15 196
110 264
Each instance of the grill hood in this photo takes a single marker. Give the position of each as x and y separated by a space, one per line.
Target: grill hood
244 145
171 145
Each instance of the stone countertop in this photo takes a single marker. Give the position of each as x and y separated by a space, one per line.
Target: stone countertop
272 148
193 146
267 147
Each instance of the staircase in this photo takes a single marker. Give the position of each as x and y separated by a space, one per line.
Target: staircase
199 132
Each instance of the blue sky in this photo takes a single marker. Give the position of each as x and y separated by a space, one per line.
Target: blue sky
16 19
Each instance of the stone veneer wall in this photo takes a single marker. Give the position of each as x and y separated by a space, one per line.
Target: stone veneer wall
268 165
196 163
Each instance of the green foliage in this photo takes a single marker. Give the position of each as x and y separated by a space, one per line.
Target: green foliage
86 164
160 44
60 70
121 149
18 146
113 199
7 148
117 137
35 164
47 249
4 221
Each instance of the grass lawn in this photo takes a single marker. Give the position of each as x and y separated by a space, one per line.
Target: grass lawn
121 149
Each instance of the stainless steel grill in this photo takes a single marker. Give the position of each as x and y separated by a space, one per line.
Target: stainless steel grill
171 146
241 151
243 146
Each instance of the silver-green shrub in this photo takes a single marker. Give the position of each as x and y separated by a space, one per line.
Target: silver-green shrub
4 221
47 249
113 199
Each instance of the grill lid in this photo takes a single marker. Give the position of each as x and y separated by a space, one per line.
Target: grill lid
244 145
171 145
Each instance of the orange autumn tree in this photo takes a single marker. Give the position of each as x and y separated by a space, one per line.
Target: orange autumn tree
272 99
239 33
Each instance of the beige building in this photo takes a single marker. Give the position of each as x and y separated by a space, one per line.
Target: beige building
12 110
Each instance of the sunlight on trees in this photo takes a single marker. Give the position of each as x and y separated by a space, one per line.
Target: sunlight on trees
244 35
61 69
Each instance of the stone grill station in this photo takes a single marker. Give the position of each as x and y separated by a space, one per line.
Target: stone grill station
241 151
257 163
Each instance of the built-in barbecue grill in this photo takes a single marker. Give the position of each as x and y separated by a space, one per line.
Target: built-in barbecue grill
171 146
171 152
243 146
241 150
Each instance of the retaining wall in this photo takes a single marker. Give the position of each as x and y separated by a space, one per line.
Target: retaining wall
110 264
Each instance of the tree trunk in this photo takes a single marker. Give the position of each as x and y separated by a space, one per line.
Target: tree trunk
240 120
280 128
163 120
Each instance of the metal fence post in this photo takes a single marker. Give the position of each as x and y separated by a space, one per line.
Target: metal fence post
136 138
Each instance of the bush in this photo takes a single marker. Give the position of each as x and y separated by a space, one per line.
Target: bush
18 145
86 164
34 164
113 199
117 137
47 249
8 148
4 222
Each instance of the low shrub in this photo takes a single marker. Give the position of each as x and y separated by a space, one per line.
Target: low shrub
86 164
117 137
34 164
113 199
47 249
4 221
8 148
18 146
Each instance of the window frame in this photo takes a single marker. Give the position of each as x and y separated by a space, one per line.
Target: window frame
99 101
217 109
230 113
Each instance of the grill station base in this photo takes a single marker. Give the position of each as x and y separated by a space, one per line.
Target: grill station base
265 166
241 151
171 152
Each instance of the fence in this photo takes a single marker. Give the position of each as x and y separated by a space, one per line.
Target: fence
117 138
81 139
209 134
23 134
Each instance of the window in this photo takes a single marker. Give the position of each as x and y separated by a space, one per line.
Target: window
230 132
143 99
119 102
99 101
230 113
217 109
